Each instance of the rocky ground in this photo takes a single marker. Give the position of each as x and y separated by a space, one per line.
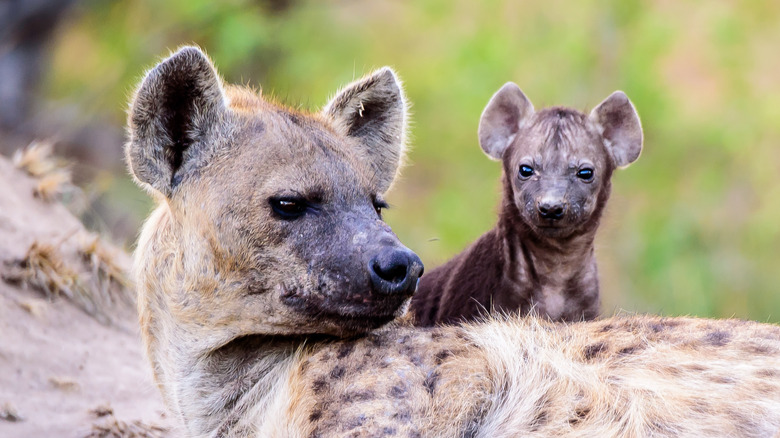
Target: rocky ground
71 361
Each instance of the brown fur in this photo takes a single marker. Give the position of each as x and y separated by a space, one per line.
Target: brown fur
234 358
530 262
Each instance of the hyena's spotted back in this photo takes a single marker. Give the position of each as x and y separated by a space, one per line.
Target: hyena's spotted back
625 376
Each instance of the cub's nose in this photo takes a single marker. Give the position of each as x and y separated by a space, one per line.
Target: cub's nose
553 210
395 271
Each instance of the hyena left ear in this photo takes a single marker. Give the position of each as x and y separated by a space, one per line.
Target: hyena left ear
373 110
620 127
175 107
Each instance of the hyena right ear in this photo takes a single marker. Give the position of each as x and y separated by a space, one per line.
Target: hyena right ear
177 104
501 119
620 127
373 111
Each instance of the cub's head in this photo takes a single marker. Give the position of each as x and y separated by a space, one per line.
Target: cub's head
558 161
269 220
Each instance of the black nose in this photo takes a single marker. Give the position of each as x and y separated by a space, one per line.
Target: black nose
551 210
395 271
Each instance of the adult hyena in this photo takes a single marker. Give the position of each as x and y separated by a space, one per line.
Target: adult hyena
558 165
266 281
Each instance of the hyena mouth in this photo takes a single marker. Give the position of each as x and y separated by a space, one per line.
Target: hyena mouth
355 313
553 227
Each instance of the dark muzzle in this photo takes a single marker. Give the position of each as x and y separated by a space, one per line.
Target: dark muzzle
395 271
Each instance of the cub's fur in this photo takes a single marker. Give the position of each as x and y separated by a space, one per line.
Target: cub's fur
265 274
558 165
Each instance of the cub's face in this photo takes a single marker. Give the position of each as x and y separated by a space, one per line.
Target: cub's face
558 161
559 171
276 214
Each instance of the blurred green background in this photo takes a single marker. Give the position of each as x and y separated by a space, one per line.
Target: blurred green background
693 227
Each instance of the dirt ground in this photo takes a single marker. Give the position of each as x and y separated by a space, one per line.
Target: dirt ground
71 361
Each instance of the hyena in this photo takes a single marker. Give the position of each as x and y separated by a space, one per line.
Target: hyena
557 169
267 283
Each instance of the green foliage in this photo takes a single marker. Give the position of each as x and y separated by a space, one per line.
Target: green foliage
693 226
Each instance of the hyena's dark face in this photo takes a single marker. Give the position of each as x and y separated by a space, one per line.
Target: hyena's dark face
558 161
559 171
311 214
278 211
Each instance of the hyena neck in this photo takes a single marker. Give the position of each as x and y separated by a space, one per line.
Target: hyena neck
555 269
214 391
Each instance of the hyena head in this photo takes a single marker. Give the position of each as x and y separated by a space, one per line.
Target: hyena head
269 219
558 161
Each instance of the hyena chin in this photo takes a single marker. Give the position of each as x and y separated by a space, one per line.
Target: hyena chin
539 258
266 280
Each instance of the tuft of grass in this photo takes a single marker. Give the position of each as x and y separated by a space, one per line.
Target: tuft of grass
44 268
103 410
35 307
95 281
8 412
113 428
109 281
38 161
64 383
53 185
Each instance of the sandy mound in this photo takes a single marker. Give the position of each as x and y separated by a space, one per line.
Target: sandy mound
71 363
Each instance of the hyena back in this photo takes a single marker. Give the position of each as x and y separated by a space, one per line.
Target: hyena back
266 281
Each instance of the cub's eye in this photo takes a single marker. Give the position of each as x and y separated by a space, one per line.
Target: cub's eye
526 171
380 205
585 174
288 208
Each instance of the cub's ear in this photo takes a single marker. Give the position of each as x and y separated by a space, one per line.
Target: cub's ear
373 110
502 118
177 104
619 124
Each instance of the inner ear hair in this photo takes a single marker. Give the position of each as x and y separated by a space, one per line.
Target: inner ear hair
367 112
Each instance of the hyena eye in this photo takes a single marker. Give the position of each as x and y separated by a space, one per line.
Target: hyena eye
288 208
585 174
526 171
380 205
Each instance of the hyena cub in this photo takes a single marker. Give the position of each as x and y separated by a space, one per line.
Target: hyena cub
266 271
558 163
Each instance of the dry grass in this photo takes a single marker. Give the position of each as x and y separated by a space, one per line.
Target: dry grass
44 268
64 383
37 158
8 413
107 275
53 185
94 281
113 428
38 161
35 307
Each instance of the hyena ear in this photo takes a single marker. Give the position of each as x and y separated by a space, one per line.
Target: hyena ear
174 108
373 110
619 124
502 118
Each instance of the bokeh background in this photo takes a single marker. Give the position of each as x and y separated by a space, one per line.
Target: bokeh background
693 227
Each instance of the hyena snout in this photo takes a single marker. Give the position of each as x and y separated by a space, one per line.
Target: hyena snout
552 208
395 271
